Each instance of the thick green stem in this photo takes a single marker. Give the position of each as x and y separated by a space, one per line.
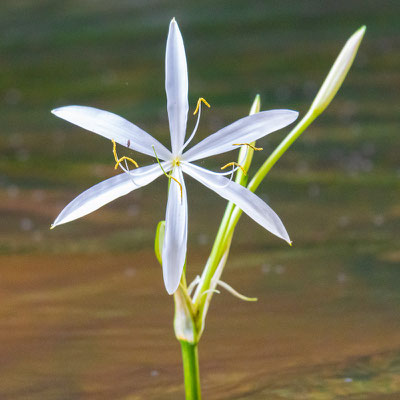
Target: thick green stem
191 371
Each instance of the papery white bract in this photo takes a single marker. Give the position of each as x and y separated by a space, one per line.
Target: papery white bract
125 133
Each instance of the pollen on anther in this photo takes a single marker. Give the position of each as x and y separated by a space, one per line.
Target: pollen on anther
201 100
233 163
119 160
249 145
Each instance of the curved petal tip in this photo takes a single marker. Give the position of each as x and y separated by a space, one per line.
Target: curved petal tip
171 287
295 115
60 110
173 24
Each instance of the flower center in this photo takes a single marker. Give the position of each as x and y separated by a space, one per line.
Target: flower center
176 161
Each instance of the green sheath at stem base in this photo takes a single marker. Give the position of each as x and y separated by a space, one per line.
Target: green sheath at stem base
190 358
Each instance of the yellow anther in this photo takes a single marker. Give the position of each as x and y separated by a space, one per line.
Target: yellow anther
119 160
201 99
237 164
169 176
249 145
115 150
127 159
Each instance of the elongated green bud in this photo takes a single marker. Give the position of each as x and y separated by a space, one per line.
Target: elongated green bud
337 73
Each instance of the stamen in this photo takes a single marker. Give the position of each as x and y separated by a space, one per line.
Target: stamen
119 160
228 180
176 180
127 159
126 168
211 291
199 101
249 145
227 173
127 171
115 150
235 293
169 176
194 283
237 164
198 109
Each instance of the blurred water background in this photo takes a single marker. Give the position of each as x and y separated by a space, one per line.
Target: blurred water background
83 311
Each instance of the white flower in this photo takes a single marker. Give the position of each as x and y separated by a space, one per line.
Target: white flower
111 126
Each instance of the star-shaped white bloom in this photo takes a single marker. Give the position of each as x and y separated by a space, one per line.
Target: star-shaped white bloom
177 162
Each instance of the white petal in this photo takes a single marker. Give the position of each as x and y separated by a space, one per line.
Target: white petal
251 204
176 87
175 239
113 127
245 130
107 191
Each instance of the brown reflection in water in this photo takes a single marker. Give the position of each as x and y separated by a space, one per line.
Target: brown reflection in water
80 327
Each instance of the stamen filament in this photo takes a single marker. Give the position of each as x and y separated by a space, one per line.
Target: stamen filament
119 160
198 109
249 145
169 176
194 283
127 171
237 164
211 291
235 293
